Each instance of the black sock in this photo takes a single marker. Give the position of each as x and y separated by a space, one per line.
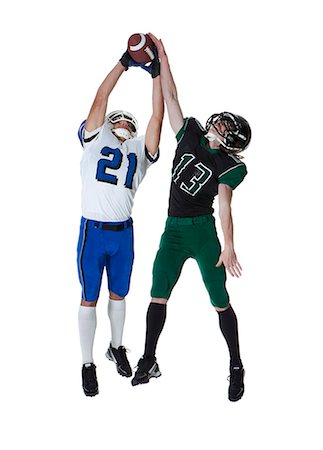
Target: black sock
156 316
229 328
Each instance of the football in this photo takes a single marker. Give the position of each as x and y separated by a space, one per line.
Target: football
141 48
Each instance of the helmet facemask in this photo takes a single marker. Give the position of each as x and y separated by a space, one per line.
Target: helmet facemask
119 115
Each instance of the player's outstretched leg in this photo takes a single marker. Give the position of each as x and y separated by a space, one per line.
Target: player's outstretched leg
229 327
87 327
147 366
117 352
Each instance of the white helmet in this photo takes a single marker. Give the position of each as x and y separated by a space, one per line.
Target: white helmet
116 116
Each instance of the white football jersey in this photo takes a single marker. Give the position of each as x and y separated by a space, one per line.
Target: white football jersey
111 172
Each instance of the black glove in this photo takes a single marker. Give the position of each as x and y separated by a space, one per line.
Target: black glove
127 61
154 67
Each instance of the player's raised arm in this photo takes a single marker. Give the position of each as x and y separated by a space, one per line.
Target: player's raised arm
155 123
99 107
168 88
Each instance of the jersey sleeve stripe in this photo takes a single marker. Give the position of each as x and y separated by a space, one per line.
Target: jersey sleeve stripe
181 132
89 139
229 170
150 158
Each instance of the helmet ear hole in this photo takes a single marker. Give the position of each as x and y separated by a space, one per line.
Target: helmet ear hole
230 138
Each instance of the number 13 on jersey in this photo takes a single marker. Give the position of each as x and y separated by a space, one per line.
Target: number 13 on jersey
198 180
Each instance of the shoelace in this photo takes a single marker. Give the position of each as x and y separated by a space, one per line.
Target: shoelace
122 355
143 365
140 363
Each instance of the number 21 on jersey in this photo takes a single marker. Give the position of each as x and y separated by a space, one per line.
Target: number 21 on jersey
114 163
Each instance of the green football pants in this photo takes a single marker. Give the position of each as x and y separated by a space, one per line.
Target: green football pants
190 237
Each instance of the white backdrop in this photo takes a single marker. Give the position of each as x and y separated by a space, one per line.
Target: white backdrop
258 59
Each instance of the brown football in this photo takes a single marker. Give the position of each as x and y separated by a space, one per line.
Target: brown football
141 48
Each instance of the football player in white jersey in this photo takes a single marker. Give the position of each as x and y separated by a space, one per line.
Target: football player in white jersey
114 163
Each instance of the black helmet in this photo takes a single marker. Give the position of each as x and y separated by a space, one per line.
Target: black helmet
238 131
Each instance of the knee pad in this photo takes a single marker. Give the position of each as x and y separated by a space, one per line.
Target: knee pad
162 286
218 294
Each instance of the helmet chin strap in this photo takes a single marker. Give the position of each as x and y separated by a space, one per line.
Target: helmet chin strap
213 137
122 132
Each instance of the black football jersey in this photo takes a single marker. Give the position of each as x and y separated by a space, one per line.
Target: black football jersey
198 171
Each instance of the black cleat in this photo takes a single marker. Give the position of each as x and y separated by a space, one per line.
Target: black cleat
89 381
118 356
146 369
236 388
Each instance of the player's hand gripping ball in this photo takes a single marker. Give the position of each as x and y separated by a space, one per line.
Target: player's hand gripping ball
141 48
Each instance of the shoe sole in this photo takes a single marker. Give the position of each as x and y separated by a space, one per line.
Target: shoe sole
135 382
91 394
237 398
110 357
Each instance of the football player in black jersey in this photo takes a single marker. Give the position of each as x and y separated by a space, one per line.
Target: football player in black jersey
207 163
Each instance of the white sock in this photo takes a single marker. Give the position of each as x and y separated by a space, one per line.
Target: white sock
87 327
117 315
